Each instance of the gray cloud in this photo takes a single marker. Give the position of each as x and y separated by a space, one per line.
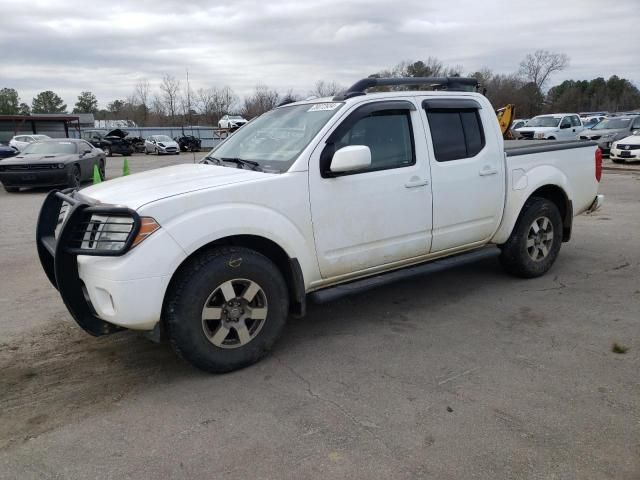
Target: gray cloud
75 45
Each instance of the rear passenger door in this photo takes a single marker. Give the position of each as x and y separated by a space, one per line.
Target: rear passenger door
467 171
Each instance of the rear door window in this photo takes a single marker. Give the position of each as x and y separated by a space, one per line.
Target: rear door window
455 133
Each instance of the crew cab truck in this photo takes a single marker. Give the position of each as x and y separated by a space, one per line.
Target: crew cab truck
216 255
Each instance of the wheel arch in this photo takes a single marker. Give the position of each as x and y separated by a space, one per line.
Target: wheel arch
544 182
559 198
288 267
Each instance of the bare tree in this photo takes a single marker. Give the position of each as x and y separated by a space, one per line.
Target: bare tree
214 102
170 88
262 100
141 92
538 66
326 89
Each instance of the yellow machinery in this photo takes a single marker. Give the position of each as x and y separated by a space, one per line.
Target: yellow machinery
505 116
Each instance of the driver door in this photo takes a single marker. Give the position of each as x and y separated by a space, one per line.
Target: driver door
381 214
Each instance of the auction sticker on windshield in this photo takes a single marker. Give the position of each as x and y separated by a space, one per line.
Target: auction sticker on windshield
323 107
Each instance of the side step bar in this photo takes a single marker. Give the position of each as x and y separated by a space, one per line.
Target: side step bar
359 286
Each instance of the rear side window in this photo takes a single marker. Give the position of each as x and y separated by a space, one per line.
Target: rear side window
455 134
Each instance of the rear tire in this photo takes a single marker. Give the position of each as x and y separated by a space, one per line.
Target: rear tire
535 241
225 309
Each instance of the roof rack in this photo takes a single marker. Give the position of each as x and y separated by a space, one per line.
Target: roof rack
437 83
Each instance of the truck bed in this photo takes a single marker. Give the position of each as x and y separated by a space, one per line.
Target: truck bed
524 147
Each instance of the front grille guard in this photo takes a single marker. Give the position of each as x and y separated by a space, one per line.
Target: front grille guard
58 252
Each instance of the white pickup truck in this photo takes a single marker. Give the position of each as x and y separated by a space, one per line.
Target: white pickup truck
215 256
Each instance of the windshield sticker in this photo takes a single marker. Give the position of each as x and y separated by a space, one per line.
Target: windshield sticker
323 107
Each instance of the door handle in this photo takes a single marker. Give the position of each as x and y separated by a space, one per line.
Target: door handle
416 183
487 170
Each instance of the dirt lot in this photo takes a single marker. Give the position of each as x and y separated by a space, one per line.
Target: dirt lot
467 373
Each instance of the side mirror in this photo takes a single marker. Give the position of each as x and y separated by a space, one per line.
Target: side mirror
351 158
636 132
84 152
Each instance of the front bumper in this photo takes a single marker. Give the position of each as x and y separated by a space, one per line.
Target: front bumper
34 178
630 155
104 291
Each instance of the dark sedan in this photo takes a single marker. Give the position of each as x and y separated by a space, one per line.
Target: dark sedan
54 162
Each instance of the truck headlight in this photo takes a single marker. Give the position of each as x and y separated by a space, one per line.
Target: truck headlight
113 232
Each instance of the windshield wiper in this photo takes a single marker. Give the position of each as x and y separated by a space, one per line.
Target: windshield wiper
241 162
213 160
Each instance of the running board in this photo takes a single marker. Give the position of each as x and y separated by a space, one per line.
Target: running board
359 286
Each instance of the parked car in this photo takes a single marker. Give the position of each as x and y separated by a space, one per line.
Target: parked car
188 143
558 126
7 151
611 129
232 121
308 196
626 149
518 123
161 144
53 162
590 122
111 141
22 141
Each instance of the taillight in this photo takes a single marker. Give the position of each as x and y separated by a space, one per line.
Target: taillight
598 164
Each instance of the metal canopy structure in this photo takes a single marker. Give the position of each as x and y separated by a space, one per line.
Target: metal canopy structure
57 125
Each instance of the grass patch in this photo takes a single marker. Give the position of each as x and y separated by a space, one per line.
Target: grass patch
617 348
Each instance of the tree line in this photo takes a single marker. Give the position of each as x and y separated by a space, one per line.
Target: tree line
175 103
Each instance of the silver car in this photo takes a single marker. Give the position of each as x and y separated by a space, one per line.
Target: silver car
161 144
611 129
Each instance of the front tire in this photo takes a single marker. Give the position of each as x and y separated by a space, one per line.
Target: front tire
102 170
108 152
535 241
11 189
615 160
226 308
75 179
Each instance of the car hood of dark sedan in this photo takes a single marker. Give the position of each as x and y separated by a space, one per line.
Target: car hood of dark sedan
44 158
117 133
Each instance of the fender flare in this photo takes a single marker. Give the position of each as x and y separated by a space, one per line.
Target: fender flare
521 186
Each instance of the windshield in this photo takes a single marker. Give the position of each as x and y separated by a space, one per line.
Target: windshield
40 137
275 139
163 138
613 123
544 122
235 117
50 148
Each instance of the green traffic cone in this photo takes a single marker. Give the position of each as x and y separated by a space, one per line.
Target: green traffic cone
96 175
125 167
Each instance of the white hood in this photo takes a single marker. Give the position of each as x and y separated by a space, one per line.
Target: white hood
537 129
136 190
630 140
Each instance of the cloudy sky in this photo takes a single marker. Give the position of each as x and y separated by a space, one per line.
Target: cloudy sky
106 47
